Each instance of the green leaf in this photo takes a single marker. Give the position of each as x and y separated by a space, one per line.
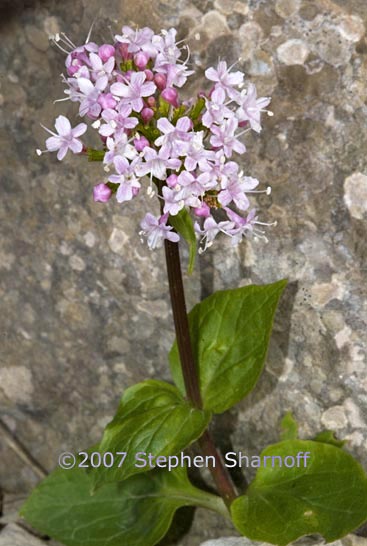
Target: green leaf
197 108
178 113
136 512
328 437
230 332
152 418
327 496
289 427
95 155
182 222
163 108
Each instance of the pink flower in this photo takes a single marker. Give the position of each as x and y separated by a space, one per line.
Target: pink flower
242 226
66 139
251 107
173 138
156 165
156 230
138 40
224 78
88 96
101 72
233 189
215 109
224 137
173 200
211 229
133 91
117 121
129 184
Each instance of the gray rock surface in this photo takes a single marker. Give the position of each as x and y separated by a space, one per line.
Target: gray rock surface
13 535
84 306
349 540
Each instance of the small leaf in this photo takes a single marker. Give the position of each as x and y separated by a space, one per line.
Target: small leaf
197 108
328 437
230 332
136 512
326 496
178 113
182 222
289 427
95 155
163 108
152 418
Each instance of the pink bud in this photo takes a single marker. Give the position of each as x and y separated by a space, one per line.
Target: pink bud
161 81
203 211
123 51
106 51
149 75
135 191
141 143
101 193
147 114
73 68
151 102
141 60
170 95
243 123
172 180
107 101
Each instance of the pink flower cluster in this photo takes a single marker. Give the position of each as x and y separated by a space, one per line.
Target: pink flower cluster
183 149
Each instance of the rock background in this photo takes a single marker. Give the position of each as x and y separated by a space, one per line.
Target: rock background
84 307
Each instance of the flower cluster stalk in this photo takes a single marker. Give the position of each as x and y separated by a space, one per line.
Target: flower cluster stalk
219 472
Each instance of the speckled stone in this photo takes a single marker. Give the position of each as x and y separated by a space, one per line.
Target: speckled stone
84 305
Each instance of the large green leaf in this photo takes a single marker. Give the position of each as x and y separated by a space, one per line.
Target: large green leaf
136 512
327 496
230 332
152 418
182 222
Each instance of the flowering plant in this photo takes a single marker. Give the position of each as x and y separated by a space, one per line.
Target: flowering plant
184 153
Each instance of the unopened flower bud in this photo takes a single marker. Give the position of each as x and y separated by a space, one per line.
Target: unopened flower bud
101 193
149 75
151 102
141 143
161 81
123 51
107 101
147 114
172 180
141 60
203 211
106 51
74 67
170 95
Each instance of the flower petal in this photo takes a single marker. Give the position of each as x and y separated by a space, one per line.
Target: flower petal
63 126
